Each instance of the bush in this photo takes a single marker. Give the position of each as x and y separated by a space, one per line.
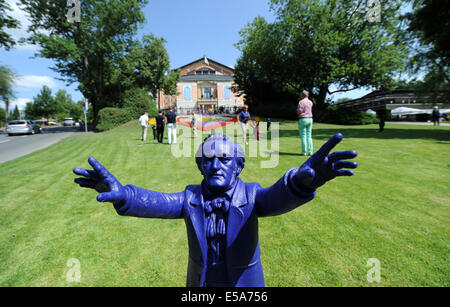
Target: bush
109 118
137 101
285 111
341 116
2 116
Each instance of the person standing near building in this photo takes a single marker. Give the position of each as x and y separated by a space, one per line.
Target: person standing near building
160 120
172 126
143 120
435 115
243 118
382 117
268 123
194 124
305 122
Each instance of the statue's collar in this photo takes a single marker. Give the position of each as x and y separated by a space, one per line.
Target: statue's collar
237 194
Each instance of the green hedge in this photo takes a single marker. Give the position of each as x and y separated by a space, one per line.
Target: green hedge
132 104
284 111
331 115
109 118
341 116
2 116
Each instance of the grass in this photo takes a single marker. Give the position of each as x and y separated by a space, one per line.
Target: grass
395 209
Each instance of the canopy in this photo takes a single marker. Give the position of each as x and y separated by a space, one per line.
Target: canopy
411 111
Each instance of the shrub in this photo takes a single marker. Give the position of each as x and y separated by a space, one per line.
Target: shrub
285 111
2 116
109 118
341 116
331 115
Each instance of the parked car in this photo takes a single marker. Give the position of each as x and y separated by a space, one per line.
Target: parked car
52 122
68 121
24 126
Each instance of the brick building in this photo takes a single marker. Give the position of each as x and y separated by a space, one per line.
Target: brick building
204 84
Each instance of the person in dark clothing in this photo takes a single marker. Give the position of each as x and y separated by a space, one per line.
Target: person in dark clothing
268 123
382 117
160 120
435 116
171 117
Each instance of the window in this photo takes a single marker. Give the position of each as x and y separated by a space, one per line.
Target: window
207 93
226 92
187 93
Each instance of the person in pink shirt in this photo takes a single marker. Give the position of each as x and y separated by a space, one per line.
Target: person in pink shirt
305 122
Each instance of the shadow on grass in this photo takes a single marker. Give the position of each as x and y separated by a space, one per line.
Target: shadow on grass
441 135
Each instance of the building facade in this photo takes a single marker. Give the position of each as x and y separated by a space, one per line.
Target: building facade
205 86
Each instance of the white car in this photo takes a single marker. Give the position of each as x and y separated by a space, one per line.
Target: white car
68 121
22 127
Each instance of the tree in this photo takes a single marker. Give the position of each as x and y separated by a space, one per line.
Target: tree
6 82
147 67
429 28
44 104
89 51
15 114
29 111
66 107
316 45
7 22
2 116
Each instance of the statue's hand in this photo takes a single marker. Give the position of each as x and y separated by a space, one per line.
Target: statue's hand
322 166
102 181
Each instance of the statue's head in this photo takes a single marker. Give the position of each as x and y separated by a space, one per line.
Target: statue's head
220 161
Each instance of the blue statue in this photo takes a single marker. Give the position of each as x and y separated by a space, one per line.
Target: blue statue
221 214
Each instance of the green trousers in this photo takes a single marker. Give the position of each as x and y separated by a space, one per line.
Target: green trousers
305 131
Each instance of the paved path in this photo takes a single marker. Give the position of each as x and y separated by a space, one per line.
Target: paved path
12 147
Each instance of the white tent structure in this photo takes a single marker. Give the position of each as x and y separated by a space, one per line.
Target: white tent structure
411 111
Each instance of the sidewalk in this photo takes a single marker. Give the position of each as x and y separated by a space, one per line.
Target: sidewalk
418 123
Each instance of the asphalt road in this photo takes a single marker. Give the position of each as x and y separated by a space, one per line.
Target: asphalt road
12 147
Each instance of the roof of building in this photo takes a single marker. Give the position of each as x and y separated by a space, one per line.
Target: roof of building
206 78
203 59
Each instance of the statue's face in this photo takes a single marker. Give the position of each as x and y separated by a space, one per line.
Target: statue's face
220 167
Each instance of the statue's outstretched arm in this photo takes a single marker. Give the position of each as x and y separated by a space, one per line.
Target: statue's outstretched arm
129 200
299 184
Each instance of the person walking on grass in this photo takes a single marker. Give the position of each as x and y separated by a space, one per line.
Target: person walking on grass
143 120
172 126
435 115
305 122
243 118
255 126
194 124
160 120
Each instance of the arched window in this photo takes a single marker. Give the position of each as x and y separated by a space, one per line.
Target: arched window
187 93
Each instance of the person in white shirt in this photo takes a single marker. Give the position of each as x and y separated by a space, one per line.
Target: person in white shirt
143 120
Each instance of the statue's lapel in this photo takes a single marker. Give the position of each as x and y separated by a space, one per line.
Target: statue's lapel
237 212
198 220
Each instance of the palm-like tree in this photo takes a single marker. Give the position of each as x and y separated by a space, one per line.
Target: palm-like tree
6 81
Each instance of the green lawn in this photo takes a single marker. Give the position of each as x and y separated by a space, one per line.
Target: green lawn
395 209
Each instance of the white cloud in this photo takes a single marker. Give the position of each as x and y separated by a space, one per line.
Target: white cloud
33 81
20 103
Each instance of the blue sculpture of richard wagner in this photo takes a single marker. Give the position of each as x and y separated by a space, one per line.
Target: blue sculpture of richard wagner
221 214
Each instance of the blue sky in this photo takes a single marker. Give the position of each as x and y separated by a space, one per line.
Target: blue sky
191 28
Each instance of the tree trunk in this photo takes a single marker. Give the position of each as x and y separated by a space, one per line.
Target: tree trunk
320 98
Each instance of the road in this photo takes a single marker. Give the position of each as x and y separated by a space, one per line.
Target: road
12 147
